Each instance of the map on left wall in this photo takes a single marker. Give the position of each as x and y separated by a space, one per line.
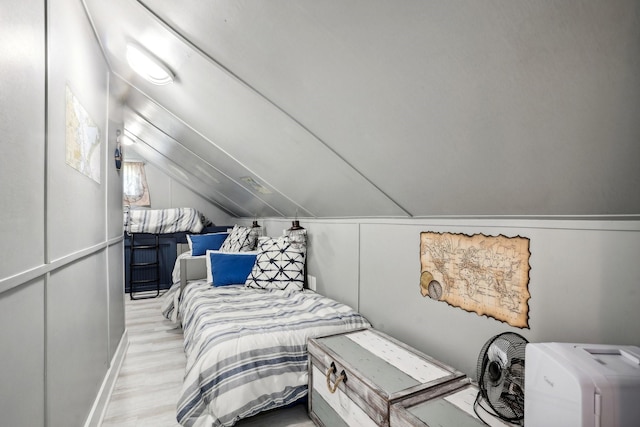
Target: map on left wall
82 139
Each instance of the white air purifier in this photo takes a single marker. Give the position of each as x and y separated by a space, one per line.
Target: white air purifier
582 385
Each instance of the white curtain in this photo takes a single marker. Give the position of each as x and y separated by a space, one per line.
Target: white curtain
136 191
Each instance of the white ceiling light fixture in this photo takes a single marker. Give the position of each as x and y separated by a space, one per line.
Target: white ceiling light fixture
148 66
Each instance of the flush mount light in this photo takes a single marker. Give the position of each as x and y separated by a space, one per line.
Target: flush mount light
147 65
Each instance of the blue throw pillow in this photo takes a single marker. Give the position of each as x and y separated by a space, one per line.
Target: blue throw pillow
230 268
201 243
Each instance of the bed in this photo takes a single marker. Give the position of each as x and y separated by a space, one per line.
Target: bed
155 234
164 221
237 238
246 348
196 250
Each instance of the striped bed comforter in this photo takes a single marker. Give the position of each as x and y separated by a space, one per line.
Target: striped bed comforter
246 349
159 221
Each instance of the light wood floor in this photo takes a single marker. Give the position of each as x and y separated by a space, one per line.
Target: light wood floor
148 386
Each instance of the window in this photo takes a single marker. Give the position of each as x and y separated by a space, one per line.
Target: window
136 190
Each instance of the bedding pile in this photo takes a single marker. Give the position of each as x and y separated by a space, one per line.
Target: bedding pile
163 221
246 348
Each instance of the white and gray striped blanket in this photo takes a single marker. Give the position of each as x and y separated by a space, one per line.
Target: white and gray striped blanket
247 348
172 220
171 303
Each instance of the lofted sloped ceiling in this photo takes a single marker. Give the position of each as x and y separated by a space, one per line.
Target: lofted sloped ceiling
385 108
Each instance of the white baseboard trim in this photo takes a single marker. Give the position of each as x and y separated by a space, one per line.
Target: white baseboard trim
99 407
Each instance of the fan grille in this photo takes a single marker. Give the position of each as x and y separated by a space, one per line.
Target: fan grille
500 373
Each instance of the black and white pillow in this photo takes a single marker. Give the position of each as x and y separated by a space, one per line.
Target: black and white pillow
279 265
239 240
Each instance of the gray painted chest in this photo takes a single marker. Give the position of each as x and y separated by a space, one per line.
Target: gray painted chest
355 377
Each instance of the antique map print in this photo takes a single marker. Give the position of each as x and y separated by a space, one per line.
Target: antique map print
82 139
488 275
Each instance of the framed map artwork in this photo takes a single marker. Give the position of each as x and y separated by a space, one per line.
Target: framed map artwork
82 139
487 275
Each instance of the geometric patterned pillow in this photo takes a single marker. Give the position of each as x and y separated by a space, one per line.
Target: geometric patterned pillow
279 265
239 240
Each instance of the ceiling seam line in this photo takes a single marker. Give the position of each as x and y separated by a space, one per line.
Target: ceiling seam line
162 107
200 158
94 30
264 97
187 184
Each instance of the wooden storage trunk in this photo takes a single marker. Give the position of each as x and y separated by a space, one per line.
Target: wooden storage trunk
449 406
355 377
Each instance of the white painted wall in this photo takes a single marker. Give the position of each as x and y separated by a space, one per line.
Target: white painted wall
166 192
61 273
386 109
22 116
584 280
22 216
